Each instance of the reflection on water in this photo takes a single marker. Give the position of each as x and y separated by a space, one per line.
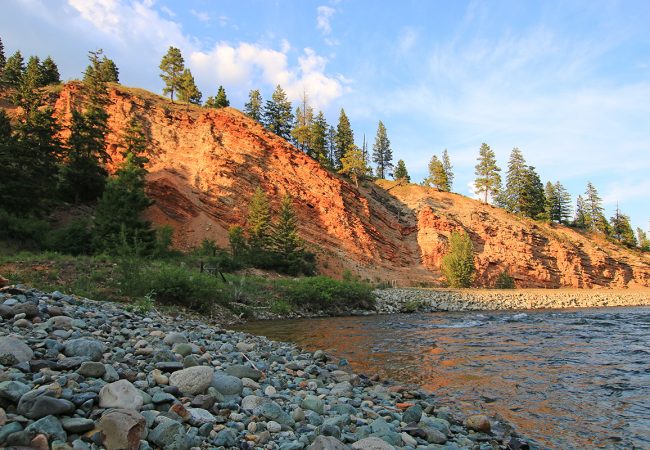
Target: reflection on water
569 379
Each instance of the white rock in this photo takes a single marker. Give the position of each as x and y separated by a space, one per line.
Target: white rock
372 443
120 394
270 391
273 427
193 380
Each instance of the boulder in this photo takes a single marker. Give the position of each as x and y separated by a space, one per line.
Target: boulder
38 403
229 386
14 351
89 348
193 380
120 394
478 422
122 429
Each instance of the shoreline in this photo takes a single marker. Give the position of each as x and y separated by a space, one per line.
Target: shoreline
397 300
92 373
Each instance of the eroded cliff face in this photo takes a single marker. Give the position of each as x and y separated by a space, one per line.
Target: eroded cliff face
205 165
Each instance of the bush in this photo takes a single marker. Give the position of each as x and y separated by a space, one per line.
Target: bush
27 233
323 293
504 281
458 263
75 239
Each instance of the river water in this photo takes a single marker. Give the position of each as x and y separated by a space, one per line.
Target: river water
567 379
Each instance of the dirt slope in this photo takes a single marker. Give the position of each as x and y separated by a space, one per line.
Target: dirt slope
206 163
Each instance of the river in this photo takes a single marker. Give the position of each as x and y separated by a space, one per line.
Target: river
567 379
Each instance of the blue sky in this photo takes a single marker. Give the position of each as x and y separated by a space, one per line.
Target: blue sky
568 82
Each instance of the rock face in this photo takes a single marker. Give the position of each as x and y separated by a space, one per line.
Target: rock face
382 230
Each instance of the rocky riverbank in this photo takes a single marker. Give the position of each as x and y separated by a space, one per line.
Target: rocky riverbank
79 374
412 299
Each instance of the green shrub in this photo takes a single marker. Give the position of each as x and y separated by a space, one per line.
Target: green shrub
27 233
280 307
164 237
75 239
458 263
412 306
504 281
323 293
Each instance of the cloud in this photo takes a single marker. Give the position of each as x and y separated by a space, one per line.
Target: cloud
324 14
245 64
201 15
406 40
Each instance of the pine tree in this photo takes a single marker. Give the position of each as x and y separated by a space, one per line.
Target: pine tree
33 68
563 199
488 180
343 140
621 230
3 59
353 165
285 241
258 225
331 147
449 172
237 241
278 115
13 70
187 90
318 139
512 196
253 108
28 94
109 71
302 130
401 173
83 176
50 72
532 199
551 209
172 66
118 214
382 155
437 175
581 218
220 101
595 211
644 242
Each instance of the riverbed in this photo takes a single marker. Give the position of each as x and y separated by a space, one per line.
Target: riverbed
565 378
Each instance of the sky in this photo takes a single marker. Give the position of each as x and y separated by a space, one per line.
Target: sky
567 82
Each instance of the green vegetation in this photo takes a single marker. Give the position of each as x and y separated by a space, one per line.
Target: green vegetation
354 165
172 66
401 174
488 180
504 281
220 101
441 175
382 154
458 263
277 115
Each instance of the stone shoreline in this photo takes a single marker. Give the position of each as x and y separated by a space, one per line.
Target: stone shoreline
79 374
410 299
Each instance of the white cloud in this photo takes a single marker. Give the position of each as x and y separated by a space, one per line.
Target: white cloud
201 15
324 14
406 40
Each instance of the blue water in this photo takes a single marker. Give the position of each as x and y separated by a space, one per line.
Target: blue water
567 379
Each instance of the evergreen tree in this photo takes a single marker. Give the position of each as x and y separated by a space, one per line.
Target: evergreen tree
488 180
595 212
581 218
458 263
382 155
33 68
50 72
331 147
644 242
172 66
401 173
118 214
353 165
449 172
109 71
551 209
285 241
563 208
532 201
3 59
13 70
437 175
187 90
302 131
278 117
318 139
343 140
512 196
83 175
621 230
220 101
253 108
238 244
29 95
258 225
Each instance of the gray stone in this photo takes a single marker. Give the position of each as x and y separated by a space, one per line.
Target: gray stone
29 309
434 436
36 404
380 426
372 443
193 380
175 338
273 426
122 429
200 417
13 390
120 394
110 374
313 403
413 414
77 425
10 428
273 411
163 397
229 386
89 348
478 422
253 403
50 426
14 351
226 438
438 424
342 389
182 349
242 371
163 356
92 369
170 435
327 443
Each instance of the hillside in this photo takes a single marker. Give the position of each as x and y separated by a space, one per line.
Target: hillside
206 163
